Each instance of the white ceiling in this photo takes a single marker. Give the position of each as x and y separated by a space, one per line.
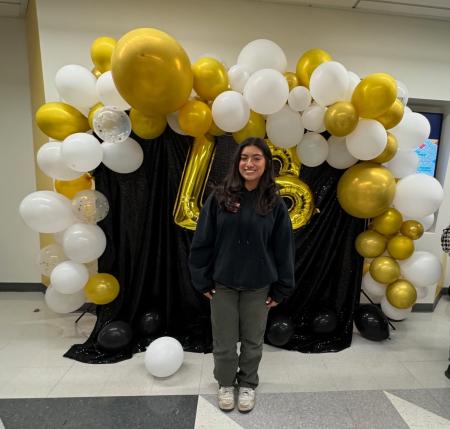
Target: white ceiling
13 8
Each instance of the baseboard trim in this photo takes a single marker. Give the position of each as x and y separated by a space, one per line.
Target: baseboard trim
22 287
429 307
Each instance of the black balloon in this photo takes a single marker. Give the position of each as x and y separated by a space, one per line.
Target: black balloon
150 323
371 322
115 336
324 322
280 330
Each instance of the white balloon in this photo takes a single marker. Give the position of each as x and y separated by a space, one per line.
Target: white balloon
51 163
77 86
81 152
172 120
421 268
394 313
329 83
164 357
46 211
262 54
404 163
367 140
412 130
83 242
312 150
266 91
124 157
418 195
353 80
338 155
372 287
69 277
299 98
313 118
108 93
63 303
230 111
285 128
238 76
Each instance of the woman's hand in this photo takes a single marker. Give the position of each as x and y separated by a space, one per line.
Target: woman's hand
270 302
210 294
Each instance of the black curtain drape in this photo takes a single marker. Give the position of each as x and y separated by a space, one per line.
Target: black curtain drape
147 252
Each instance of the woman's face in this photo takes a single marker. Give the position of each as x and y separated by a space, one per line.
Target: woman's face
252 165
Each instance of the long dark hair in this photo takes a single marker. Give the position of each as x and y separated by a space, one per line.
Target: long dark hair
229 193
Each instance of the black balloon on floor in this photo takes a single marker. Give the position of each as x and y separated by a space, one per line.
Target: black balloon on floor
324 322
115 336
280 330
150 323
371 322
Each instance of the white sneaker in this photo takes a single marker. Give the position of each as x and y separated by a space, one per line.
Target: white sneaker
225 398
246 400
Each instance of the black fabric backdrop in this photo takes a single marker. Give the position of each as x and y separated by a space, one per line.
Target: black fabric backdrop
148 253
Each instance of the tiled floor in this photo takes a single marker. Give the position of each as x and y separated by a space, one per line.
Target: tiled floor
395 384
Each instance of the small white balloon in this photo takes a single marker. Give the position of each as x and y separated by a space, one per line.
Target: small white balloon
299 98
111 124
421 268
124 157
372 287
230 111
312 150
285 128
338 155
262 54
238 77
367 140
69 277
404 163
90 206
412 130
329 83
49 257
63 303
394 313
108 93
50 161
172 120
83 242
81 152
164 357
313 118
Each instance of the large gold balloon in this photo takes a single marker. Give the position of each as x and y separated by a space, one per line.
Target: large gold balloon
388 222
195 118
291 79
69 188
370 244
393 115
374 95
147 127
152 71
92 111
101 52
308 62
59 120
256 127
389 151
214 130
384 269
210 78
102 288
401 294
341 118
400 247
366 190
287 158
412 229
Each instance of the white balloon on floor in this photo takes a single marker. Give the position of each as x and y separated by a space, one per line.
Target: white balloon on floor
63 303
421 268
164 357
83 242
50 161
69 277
124 157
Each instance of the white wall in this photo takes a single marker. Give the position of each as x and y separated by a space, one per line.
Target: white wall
18 244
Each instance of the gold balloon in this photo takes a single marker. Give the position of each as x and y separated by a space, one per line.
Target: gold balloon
389 151
388 222
412 229
210 78
400 247
102 288
366 190
152 71
147 127
308 62
69 188
256 127
287 158
370 244
384 269
291 79
341 118
374 95
195 118
393 115
214 130
92 111
101 52
59 120
366 266
96 72
401 294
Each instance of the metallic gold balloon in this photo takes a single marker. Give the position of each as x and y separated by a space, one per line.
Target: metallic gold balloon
366 190
210 78
291 79
195 118
389 151
308 62
256 127
374 95
412 229
101 52
366 266
287 158
152 71
384 269
59 120
214 130
370 244
102 288
400 247
69 188
92 111
96 72
401 294
147 127
341 118
393 115
388 222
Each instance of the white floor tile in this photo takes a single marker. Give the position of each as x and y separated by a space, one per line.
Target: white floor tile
429 374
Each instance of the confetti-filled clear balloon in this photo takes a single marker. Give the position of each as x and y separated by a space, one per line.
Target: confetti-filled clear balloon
112 124
90 206
49 257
